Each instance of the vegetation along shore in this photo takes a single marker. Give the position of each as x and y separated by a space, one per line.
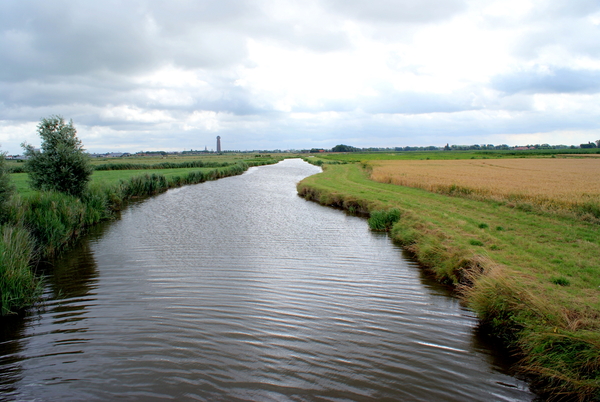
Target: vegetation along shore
39 219
519 238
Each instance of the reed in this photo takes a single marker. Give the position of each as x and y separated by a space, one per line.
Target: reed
53 219
19 287
162 165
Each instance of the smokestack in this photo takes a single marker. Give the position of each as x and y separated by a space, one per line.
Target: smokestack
218 144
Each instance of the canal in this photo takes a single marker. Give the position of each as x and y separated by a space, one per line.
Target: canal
240 290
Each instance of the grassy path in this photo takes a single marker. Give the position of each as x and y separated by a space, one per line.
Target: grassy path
534 279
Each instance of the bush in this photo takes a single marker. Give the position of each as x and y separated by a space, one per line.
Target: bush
61 165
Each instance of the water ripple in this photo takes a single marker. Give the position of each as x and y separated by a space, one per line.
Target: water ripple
238 290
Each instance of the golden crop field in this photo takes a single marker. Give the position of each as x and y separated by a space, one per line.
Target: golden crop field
553 184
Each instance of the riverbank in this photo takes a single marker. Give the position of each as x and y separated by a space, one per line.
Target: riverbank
41 224
532 278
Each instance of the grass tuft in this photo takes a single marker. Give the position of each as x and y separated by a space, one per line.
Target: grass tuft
561 280
384 220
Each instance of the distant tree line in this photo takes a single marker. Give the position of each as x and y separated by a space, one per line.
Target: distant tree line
344 148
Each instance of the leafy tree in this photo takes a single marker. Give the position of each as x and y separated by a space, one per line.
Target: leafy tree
61 165
344 148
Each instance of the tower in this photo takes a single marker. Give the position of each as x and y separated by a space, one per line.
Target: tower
218 144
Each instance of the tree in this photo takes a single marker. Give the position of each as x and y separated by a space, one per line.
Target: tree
61 165
343 148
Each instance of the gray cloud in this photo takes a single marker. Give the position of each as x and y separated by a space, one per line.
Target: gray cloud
558 80
90 61
40 39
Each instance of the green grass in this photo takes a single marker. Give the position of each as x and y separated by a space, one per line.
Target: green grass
109 177
19 287
515 277
171 161
383 220
449 155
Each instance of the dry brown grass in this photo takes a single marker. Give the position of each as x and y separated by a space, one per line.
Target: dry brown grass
550 184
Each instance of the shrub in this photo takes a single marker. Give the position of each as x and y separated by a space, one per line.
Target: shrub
61 165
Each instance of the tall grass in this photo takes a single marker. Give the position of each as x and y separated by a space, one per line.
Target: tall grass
53 219
19 287
162 165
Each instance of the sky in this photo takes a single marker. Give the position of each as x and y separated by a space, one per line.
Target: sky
147 75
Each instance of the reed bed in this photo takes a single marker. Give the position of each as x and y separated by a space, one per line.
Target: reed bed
162 165
555 185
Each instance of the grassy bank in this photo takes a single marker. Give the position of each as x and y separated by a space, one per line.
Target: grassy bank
533 278
40 224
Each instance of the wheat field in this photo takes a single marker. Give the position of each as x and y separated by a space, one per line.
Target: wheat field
550 184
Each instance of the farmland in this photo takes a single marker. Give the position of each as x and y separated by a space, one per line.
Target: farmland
507 238
553 185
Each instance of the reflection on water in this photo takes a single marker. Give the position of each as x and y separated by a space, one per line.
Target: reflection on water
239 290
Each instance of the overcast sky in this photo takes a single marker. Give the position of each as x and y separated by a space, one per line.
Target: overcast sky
172 75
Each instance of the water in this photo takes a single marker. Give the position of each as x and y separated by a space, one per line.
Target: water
239 290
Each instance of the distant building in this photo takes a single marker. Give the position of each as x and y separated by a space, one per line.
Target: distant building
218 144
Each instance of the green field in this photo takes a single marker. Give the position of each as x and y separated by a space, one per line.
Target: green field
533 278
114 176
449 155
108 176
